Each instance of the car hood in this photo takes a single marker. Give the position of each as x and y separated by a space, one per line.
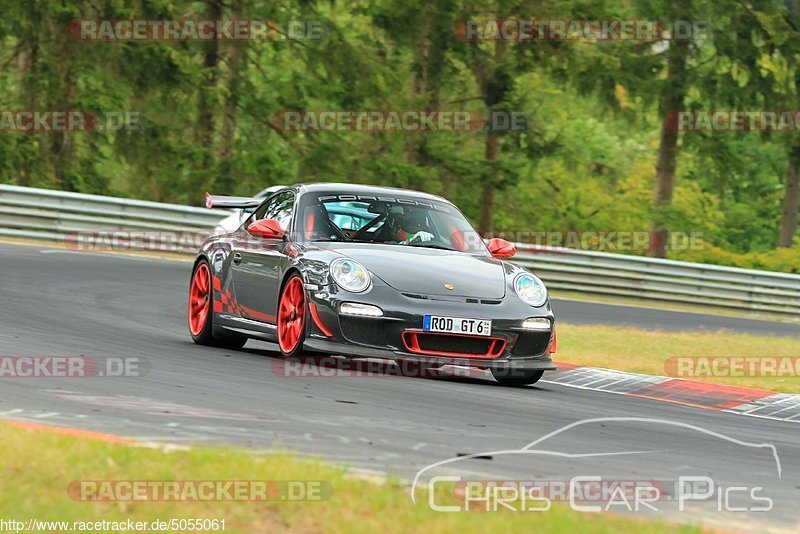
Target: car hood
424 271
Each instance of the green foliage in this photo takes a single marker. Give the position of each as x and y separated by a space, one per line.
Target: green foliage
783 259
587 160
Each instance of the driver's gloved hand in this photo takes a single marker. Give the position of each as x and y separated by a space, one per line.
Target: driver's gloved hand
421 236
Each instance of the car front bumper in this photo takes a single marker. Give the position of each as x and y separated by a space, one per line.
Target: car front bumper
398 334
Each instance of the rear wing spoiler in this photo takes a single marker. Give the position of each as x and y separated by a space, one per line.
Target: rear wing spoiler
223 202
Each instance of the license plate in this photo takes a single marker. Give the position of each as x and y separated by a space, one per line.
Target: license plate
457 325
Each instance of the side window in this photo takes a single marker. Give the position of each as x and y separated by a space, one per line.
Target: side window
259 213
280 209
261 210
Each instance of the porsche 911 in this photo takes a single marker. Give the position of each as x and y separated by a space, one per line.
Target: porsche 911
370 272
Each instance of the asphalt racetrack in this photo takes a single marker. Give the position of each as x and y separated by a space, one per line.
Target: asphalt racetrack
59 302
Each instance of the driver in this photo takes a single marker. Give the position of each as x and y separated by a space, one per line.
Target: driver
411 227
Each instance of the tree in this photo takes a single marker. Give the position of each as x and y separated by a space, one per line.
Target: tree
671 101
791 193
495 63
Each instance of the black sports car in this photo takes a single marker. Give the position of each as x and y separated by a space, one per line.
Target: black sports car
373 272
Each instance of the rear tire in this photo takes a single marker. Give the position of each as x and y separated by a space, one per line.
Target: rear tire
516 377
201 315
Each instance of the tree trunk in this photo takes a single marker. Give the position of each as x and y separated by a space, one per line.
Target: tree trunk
206 102
28 95
488 187
236 57
664 188
429 52
791 199
670 103
416 144
494 88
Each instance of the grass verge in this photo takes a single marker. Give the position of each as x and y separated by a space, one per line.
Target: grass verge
38 466
639 351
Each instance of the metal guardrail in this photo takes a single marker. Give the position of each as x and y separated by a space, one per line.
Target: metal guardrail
660 280
32 213
55 215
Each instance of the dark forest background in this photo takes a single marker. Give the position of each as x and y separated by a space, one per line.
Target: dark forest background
595 154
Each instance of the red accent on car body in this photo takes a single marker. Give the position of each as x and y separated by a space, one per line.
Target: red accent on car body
266 228
309 230
500 248
312 307
411 341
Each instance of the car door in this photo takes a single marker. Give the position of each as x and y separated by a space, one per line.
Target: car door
258 262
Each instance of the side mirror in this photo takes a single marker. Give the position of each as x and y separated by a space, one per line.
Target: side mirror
266 228
500 248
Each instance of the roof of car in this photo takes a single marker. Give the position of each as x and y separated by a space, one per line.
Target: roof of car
358 189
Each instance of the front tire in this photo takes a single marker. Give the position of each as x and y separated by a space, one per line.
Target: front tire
516 377
292 317
201 315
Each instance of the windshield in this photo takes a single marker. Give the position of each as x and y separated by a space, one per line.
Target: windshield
395 221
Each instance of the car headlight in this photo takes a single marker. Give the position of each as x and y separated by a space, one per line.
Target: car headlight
530 289
350 275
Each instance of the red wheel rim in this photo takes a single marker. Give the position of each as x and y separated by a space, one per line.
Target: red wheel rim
291 315
199 299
